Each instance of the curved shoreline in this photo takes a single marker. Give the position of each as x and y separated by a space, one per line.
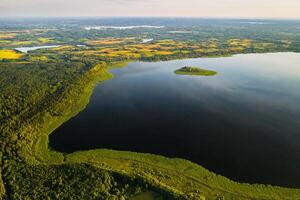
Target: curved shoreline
177 173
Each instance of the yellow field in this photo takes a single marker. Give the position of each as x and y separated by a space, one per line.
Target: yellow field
44 40
64 47
164 53
38 58
18 43
9 54
109 41
238 42
7 35
4 41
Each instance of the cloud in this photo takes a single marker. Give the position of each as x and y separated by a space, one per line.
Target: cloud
200 8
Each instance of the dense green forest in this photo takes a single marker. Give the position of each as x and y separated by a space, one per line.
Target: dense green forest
41 89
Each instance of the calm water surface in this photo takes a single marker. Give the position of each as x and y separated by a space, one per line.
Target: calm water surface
27 49
243 123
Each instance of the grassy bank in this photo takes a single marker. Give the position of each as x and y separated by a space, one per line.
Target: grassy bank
41 151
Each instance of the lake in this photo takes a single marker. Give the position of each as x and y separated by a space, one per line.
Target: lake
123 27
27 49
242 123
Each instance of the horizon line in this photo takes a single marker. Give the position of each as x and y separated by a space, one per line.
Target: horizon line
187 17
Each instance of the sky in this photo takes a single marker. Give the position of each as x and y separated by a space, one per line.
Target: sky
177 8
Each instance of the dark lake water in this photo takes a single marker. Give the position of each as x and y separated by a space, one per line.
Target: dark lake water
243 123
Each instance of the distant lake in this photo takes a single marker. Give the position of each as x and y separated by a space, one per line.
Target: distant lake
27 49
243 123
121 27
147 40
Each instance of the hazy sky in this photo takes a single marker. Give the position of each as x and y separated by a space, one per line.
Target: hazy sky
194 8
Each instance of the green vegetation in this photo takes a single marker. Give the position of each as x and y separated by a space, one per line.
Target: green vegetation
195 71
44 88
74 181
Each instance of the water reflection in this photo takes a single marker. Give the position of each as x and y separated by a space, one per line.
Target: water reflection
242 123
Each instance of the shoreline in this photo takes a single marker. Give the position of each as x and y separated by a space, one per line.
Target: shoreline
114 160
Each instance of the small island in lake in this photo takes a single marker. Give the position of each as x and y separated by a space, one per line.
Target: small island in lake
187 70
